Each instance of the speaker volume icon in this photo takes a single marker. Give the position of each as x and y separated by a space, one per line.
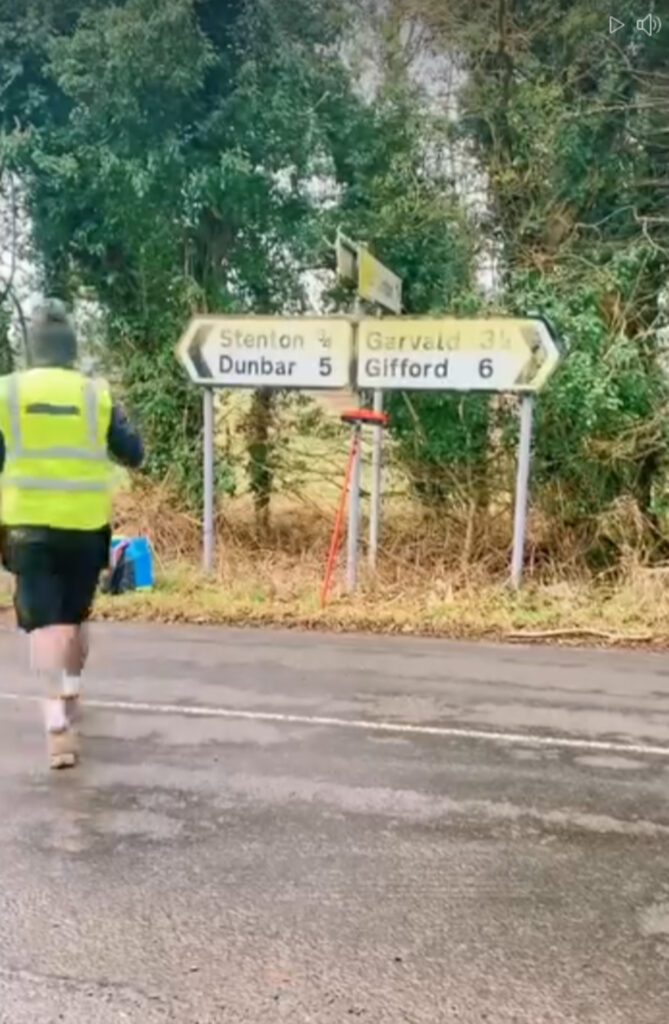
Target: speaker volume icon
651 24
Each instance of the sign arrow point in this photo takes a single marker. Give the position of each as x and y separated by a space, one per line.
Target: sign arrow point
194 352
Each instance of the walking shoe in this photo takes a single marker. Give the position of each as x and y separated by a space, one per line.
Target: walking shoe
63 748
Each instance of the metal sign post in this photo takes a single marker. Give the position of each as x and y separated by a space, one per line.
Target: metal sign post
353 533
376 284
376 485
208 478
522 488
354 514
357 418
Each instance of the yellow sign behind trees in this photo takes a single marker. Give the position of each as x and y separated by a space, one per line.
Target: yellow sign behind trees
378 284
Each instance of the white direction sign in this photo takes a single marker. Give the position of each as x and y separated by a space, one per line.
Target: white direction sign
452 354
255 351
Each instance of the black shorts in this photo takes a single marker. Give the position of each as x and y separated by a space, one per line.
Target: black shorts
57 573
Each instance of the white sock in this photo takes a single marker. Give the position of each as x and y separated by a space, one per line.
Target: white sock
71 685
55 718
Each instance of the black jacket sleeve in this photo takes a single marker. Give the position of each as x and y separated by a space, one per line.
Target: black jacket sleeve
2 453
123 441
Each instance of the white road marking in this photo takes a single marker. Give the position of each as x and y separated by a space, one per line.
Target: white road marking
368 725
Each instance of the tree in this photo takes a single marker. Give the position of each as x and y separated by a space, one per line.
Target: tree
10 255
566 125
166 152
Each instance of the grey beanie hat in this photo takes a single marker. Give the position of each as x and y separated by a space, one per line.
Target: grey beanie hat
51 337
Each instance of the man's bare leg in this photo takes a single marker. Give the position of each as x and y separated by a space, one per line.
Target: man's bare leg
76 655
76 649
51 649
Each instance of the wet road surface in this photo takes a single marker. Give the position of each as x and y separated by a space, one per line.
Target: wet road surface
277 827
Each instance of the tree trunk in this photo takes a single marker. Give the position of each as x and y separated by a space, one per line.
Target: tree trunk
260 469
6 353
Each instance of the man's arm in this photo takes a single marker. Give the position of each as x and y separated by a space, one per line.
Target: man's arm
123 442
2 452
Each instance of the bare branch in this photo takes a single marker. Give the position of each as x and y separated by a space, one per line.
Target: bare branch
13 213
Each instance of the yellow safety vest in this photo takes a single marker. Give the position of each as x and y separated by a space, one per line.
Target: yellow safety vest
57 472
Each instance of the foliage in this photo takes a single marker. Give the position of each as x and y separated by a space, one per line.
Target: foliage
10 254
601 428
567 125
6 360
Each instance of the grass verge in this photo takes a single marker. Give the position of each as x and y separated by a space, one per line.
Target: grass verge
432 581
632 613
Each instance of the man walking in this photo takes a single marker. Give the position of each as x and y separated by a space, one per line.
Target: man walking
59 431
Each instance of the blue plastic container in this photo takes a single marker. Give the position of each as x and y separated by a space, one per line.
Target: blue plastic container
138 552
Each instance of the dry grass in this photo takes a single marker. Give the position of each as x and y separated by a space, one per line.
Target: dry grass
437 576
629 615
429 582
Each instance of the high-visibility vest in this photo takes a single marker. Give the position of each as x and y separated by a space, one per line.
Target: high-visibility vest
57 472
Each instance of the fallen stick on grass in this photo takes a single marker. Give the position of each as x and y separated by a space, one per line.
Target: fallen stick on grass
553 634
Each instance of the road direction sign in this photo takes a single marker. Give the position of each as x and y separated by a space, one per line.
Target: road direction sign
254 351
452 354
376 283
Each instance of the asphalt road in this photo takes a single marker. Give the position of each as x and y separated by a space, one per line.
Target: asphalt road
280 827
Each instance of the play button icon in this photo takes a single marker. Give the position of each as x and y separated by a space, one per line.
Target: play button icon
614 25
